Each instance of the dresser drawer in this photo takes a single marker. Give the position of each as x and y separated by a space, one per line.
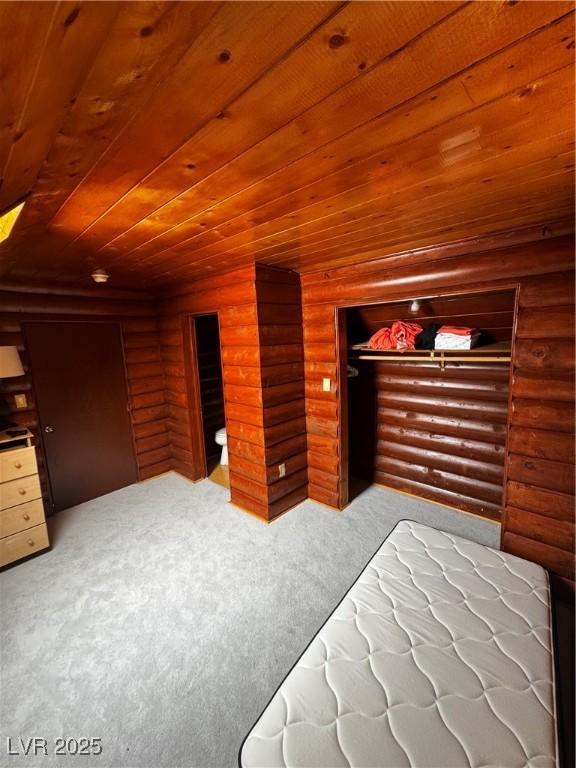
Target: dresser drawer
23 544
18 491
19 518
18 462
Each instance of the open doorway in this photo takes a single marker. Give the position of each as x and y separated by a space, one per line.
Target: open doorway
428 419
210 421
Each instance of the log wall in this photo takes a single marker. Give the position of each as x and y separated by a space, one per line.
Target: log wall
538 517
260 338
435 431
136 315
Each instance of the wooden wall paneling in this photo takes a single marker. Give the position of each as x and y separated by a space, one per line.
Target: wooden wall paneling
493 313
414 423
435 272
541 444
233 298
437 390
244 422
281 350
259 313
557 560
327 435
539 447
177 340
146 388
549 531
541 501
50 303
390 439
144 370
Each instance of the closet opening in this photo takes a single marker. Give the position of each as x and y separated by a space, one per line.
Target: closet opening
425 397
207 399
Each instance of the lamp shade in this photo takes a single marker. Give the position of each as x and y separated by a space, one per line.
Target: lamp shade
10 363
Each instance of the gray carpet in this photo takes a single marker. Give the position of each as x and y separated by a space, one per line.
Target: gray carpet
164 618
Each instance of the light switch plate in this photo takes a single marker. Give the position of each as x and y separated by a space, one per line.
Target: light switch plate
20 401
326 385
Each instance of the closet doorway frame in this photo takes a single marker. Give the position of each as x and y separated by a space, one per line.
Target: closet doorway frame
193 390
340 317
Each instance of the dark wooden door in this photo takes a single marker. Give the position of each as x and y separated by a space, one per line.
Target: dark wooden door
80 386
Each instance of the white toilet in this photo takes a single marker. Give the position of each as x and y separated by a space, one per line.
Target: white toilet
222 440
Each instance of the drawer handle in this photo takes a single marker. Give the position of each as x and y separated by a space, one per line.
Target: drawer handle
26 516
18 464
22 491
31 542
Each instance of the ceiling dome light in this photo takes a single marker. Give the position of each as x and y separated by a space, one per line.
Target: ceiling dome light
100 276
415 305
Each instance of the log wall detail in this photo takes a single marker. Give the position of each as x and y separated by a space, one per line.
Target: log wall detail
136 315
538 516
260 338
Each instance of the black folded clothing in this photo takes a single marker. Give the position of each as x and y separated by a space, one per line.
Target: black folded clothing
426 338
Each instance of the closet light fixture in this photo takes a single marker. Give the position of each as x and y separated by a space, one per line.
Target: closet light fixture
100 276
415 305
8 219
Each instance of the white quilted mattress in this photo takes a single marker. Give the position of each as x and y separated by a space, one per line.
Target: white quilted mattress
439 655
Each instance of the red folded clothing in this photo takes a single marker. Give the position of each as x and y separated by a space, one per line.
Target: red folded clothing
456 330
400 336
381 340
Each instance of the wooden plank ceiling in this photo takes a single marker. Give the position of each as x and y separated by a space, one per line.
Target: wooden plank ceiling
167 140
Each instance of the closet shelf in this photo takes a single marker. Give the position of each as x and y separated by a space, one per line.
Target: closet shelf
491 353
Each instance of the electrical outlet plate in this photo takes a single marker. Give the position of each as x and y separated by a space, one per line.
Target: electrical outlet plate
282 470
326 385
20 401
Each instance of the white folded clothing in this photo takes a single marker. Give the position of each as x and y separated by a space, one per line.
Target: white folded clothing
455 341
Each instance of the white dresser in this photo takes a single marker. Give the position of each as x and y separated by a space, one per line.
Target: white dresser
23 529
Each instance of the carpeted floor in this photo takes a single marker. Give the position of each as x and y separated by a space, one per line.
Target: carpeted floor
164 618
